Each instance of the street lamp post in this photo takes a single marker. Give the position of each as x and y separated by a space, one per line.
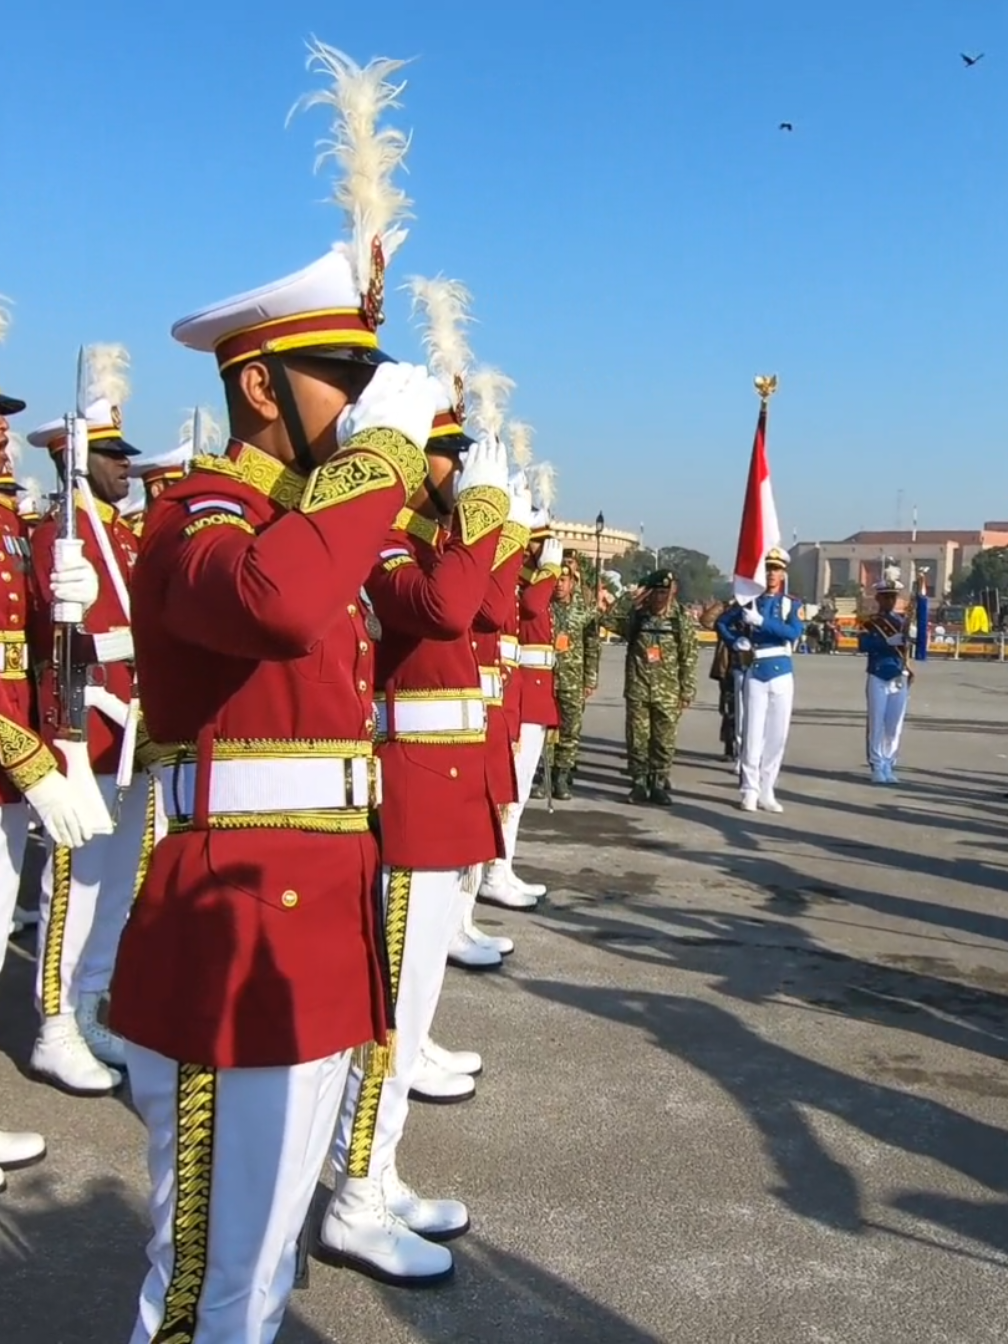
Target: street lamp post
599 529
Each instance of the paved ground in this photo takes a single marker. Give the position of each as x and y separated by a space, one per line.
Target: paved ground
746 1078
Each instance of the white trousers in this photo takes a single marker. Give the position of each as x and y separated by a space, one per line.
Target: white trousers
738 681
531 741
234 1156
766 709
14 820
422 912
887 707
86 897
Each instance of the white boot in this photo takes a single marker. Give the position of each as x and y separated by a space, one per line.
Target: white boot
749 801
502 946
61 1057
879 776
435 1219
769 803
453 1061
469 955
438 1086
497 889
536 890
19 1150
103 1043
890 772
360 1232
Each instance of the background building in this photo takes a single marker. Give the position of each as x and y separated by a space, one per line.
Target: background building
581 537
821 567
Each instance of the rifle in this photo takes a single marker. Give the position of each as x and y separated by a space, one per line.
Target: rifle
548 770
882 624
68 621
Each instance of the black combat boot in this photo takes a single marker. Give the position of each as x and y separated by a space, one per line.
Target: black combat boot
639 791
562 786
539 784
661 792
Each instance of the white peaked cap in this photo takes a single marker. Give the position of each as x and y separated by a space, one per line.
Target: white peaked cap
777 555
103 420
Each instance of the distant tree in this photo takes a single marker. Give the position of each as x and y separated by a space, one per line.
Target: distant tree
849 589
699 578
987 575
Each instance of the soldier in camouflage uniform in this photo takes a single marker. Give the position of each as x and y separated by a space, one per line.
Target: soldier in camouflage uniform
576 642
660 681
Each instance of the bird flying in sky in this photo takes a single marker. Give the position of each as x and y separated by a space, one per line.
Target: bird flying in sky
785 126
970 60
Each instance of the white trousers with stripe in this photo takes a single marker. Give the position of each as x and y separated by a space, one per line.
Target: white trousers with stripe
82 911
234 1156
766 720
531 742
887 707
422 911
14 819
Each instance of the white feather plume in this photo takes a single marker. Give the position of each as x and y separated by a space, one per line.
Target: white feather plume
519 436
442 308
542 479
5 317
489 390
211 431
32 488
108 373
366 157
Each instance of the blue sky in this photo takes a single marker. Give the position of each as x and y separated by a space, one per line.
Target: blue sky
611 184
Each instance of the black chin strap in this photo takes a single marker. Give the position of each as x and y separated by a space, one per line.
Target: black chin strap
290 414
436 498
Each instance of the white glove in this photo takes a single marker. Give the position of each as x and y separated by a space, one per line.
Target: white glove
114 646
97 697
752 617
520 510
541 519
73 579
486 465
59 810
895 641
403 397
743 645
551 553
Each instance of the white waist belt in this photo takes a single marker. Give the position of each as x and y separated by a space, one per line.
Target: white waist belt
450 715
773 651
491 683
510 650
295 784
535 656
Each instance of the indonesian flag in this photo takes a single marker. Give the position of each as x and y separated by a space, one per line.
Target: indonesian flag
760 530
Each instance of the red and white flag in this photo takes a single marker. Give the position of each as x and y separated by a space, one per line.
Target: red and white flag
760 530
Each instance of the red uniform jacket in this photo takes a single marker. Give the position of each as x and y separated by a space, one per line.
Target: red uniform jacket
104 736
438 810
496 617
535 631
24 758
252 942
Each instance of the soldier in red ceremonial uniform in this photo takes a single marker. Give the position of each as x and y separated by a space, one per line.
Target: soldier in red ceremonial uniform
252 963
28 770
471 947
85 898
539 711
438 821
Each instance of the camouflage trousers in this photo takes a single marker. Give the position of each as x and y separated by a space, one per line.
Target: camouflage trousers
568 743
651 728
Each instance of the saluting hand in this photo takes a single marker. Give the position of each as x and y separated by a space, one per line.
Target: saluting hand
402 397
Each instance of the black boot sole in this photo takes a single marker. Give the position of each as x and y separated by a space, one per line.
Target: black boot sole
338 1260
443 1238
422 1099
26 1162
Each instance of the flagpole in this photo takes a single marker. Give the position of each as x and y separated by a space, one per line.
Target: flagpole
760 528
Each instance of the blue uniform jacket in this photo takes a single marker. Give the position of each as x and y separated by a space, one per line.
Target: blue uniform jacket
883 662
781 627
